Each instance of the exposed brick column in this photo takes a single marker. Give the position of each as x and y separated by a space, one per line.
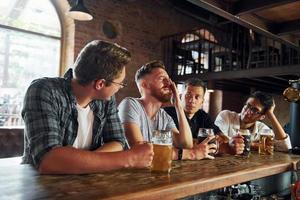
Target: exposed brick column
215 104
215 100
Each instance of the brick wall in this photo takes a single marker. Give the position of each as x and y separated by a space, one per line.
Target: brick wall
140 25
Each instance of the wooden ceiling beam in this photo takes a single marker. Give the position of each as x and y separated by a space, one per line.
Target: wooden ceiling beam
253 73
226 87
239 85
250 6
255 84
279 78
236 19
268 82
285 78
250 85
284 28
196 12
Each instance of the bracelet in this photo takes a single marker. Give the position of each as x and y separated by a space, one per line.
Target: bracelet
179 154
286 136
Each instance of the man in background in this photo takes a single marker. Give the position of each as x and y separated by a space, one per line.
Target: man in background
258 106
192 100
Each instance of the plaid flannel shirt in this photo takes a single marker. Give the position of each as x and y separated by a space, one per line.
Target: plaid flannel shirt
50 117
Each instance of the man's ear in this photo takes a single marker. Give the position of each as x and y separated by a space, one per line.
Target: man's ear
99 84
203 99
144 84
262 117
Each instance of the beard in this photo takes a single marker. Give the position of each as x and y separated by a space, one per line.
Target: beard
162 95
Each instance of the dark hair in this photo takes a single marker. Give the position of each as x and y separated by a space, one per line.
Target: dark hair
195 82
265 99
147 68
100 60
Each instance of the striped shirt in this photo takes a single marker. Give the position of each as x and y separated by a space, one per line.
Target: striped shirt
50 117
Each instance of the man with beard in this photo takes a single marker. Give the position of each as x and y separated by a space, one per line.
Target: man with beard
141 116
258 106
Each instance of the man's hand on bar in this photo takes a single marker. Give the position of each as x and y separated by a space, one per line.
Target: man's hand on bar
141 155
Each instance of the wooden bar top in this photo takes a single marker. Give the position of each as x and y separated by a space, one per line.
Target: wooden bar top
186 178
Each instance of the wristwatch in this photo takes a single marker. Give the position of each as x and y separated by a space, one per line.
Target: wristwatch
179 154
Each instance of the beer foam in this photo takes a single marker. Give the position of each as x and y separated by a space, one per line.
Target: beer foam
161 142
244 132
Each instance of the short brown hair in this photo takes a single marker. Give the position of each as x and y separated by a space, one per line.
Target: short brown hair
147 68
195 82
100 60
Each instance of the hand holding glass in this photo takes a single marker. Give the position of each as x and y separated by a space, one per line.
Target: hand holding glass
247 141
203 133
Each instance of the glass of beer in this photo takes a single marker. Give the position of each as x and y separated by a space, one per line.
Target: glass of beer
203 133
162 147
247 141
266 142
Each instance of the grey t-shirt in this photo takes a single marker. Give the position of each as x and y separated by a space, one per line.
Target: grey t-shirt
131 110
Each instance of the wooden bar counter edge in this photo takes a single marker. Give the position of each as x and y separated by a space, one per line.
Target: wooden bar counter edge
186 178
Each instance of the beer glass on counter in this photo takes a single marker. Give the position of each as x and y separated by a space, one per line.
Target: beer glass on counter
203 133
162 147
266 142
247 141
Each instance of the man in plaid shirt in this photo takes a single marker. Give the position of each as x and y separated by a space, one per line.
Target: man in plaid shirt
72 124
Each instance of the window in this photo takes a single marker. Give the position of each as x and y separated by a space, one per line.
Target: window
30 38
193 52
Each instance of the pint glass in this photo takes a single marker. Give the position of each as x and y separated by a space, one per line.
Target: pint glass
266 142
162 147
247 141
203 133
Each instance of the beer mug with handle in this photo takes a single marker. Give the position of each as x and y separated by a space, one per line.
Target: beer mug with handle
162 147
266 142
247 141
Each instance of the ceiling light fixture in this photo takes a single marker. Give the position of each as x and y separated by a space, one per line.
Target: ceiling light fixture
80 12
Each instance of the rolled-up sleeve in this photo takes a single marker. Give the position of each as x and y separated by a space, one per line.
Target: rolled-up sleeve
222 122
283 145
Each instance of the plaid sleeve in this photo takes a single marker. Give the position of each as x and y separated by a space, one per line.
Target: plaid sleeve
113 129
41 122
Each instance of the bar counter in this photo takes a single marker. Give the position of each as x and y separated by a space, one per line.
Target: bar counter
186 178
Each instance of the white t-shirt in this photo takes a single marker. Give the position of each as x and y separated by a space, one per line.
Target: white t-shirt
85 120
229 124
131 110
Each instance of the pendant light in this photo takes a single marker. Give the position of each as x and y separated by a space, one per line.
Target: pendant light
80 12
